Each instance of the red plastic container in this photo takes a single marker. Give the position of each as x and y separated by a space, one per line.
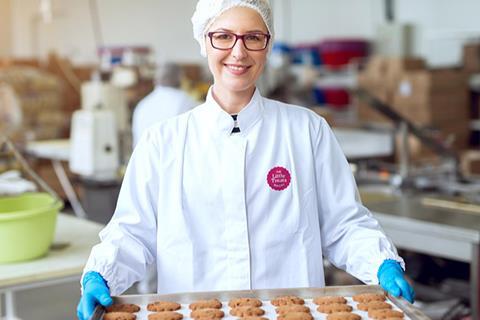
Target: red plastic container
339 52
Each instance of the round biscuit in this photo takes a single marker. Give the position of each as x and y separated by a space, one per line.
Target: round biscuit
246 311
241 302
210 313
335 307
165 315
123 307
119 316
374 305
295 316
329 300
286 300
368 297
159 306
292 308
381 314
206 304
344 316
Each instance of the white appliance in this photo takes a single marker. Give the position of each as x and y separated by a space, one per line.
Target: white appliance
94 150
101 95
95 132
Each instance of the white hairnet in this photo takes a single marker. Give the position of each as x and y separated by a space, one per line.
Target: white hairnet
208 10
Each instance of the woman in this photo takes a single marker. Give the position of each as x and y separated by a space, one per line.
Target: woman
246 203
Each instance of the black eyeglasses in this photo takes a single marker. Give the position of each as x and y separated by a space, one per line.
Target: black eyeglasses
224 40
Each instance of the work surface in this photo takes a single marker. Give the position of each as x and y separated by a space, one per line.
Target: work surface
440 232
74 239
432 230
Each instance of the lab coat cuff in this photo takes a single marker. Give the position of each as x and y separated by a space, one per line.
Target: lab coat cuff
108 274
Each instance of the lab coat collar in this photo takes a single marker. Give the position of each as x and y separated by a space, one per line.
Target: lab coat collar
222 122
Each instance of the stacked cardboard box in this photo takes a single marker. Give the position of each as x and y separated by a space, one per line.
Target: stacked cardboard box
430 99
471 57
381 78
436 99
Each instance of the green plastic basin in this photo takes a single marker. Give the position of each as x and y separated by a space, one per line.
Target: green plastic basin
27 225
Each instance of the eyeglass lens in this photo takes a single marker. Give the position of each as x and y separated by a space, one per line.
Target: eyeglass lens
226 40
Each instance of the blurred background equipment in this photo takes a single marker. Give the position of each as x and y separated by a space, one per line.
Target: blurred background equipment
72 74
96 130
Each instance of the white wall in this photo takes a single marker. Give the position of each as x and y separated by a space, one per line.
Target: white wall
311 20
163 25
441 26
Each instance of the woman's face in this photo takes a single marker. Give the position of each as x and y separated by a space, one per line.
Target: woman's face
236 70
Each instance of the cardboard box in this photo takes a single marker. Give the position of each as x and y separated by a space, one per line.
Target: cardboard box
396 67
435 97
426 81
436 109
471 57
376 69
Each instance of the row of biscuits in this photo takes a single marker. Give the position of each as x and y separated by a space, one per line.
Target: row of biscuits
288 308
337 309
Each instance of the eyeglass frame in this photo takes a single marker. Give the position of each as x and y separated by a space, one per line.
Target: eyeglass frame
239 36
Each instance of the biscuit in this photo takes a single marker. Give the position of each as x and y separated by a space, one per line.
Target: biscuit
369 297
292 308
329 300
335 307
385 314
241 302
209 313
374 305
343 316
286 300
253 318
165 315
119 316
127 307
295 316
158 306
206 304
246 311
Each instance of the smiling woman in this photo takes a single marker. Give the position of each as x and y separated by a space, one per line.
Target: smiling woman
242 192
235 67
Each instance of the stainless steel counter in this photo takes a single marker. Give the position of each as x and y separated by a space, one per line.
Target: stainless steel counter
446 233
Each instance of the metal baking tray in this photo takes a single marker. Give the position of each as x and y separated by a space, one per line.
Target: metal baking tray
410 311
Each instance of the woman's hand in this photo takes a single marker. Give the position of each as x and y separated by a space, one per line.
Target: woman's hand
391 278
95 291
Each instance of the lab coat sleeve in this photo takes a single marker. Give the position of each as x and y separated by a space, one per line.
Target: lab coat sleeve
128 242
352 238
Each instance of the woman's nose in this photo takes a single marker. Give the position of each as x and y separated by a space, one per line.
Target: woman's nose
239 51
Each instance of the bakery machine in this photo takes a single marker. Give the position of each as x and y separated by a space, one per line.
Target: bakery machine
96 132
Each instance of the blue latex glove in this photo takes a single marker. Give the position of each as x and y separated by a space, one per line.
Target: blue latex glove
390 276
95 291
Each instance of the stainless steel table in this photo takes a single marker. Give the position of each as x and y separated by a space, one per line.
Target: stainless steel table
445 233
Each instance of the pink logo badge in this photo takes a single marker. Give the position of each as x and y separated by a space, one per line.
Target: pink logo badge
278 178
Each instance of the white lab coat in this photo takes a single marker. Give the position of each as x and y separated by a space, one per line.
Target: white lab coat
196 199
161 104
